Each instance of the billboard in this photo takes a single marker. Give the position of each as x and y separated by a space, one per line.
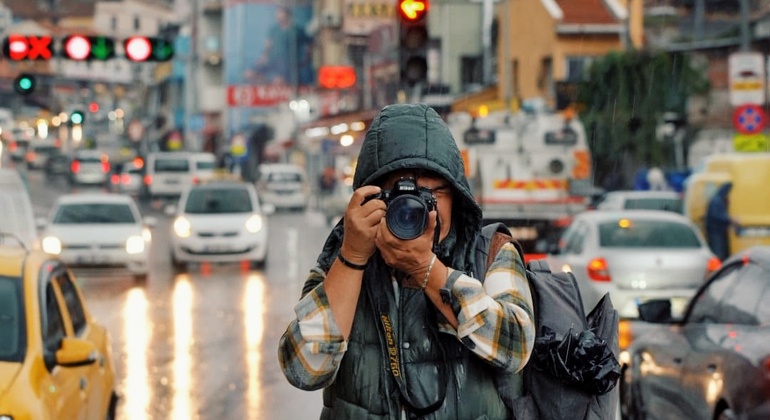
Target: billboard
268 52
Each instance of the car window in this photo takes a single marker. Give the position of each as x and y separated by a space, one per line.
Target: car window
12 333
72 300
205 164
647 234
172 165
89 159
53 322
576 240
669 204
107 213
223 200
284 177
740 295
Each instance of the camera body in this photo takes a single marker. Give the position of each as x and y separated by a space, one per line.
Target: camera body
408 208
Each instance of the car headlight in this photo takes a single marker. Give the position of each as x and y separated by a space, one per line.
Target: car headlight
147 234
5 417
135 245
182 227
254 223
52 245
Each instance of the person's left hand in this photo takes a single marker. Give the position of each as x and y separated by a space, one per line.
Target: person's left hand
411 257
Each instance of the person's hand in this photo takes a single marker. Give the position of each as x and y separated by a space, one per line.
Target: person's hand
412 256
361 225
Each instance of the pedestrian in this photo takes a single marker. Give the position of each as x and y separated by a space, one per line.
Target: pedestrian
719 221
396 328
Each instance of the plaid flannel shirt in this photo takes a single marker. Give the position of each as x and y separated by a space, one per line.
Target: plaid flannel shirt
496 316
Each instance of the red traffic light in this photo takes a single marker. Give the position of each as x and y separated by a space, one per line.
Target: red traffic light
93 107
27 47
142 48
77 47
413 10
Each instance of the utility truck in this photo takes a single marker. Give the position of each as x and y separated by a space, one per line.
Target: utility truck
531 170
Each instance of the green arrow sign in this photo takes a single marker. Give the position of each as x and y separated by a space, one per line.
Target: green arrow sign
162 50
102 48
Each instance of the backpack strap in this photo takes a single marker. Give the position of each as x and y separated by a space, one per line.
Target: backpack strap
489 242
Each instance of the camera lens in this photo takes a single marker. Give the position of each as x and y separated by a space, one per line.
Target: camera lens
407 216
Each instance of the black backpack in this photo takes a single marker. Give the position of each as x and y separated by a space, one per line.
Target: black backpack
573 369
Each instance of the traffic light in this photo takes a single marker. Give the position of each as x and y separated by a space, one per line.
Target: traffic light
142 48
93 107
27 47
83 48
413 40
77 117
24 84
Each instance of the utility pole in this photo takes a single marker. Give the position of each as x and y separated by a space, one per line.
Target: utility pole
487 15
745 35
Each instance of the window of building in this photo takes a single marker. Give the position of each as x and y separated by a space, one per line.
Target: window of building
577 68
137 23
114 23
471 70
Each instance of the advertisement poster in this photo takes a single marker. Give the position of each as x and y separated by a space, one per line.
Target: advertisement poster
268 53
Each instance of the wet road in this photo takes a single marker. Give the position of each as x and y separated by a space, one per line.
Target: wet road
202 344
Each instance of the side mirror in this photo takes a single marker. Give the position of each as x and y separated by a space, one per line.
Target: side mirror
150 221
75 352
268 209
656 311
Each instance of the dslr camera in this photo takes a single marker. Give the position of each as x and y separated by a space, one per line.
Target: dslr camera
408 208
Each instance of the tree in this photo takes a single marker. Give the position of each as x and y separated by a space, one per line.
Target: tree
625 97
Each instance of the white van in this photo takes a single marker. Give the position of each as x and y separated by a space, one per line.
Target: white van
18 218
168 174
205 165
283 185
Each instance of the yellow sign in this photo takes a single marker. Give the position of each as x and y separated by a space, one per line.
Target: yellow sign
750 142
747 85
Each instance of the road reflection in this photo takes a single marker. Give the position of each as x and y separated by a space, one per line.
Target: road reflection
183 340
137 328
254 306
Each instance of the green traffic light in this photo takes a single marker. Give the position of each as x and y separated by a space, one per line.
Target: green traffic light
76 117
24 84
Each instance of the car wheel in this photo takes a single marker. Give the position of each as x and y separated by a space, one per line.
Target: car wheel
259 264
112 408
179 266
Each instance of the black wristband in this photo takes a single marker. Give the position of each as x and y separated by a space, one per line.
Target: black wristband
347 263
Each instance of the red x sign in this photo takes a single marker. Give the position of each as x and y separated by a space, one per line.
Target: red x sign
28 47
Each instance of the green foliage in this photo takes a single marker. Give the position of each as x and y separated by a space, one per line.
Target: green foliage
624 99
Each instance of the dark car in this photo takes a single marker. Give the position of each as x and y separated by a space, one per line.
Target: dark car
715 362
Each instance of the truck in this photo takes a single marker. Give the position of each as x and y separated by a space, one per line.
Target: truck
749 199
531 170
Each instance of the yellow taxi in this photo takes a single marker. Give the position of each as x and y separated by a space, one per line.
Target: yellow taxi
55 360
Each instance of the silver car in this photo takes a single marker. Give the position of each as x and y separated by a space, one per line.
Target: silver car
713 363
635 255
641 200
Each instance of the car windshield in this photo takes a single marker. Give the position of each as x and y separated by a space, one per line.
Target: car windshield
172 165
628 233
83 213
221 200
11 321
670 204
205 164
89 159
284 177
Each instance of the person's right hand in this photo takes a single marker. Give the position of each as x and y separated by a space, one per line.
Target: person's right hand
360 224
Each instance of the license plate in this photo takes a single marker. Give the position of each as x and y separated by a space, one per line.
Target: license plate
216 248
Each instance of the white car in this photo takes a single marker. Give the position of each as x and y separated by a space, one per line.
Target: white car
219 222
641 200
89 167
635 255
99 230
283 185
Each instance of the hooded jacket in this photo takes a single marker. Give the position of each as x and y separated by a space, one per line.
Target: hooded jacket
437 376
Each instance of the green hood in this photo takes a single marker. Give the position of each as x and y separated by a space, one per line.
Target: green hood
413 136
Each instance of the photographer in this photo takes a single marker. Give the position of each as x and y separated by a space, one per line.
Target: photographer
394 321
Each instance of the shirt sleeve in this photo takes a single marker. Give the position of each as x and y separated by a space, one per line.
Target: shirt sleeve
496 317
312 347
